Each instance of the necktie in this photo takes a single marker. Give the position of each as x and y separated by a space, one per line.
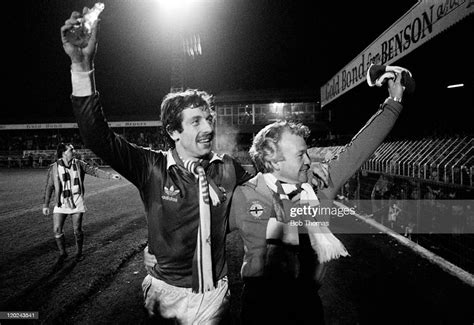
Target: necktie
202 262
291 192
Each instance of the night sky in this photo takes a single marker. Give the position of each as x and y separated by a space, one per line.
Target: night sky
247 45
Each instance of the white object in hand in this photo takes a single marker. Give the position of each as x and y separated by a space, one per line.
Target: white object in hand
92 15
80 34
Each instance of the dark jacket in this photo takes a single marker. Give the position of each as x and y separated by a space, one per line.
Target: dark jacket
169 194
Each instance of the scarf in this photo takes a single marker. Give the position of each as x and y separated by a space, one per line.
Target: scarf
216 195
69 187
283 227
202 261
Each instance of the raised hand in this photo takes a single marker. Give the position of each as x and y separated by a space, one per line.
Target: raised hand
395 88
78 44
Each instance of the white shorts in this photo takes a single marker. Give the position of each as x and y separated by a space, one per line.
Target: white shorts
183 305
80 206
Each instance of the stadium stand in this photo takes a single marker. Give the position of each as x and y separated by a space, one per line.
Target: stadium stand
422 189
20 148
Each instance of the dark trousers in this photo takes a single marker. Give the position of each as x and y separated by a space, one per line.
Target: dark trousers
288 301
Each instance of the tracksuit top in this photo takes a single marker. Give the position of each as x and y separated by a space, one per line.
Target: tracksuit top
253 206
168 192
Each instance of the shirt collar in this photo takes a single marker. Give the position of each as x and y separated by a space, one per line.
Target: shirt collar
271 181
172 162
170 159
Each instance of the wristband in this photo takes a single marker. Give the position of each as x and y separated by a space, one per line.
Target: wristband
395 99
83 83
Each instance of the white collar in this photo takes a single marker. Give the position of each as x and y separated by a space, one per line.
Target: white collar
271 180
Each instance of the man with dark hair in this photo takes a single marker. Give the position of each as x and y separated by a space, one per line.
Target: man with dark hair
181 189
287 241
172 109
66 179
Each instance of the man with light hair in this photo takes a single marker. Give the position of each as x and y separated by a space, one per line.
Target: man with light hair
285 255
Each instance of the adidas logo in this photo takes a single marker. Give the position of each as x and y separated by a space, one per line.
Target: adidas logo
171 194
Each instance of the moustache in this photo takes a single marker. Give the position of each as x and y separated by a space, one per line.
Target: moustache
206 136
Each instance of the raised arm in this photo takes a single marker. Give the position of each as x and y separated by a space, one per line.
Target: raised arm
366 141
131 161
